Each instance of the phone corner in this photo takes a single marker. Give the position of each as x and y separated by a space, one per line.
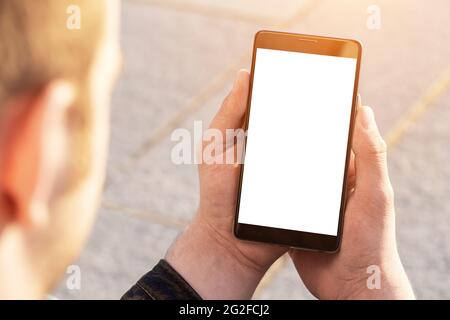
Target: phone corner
260 33
358 43
337 247
235 231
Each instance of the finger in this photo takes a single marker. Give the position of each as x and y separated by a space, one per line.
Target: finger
370 152
232 111
351 173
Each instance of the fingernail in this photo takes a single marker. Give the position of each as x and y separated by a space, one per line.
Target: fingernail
358 100
236 80
239 76
367 117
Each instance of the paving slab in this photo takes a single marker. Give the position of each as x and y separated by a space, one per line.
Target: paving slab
169 57
121 249
401 59
285 285
420 172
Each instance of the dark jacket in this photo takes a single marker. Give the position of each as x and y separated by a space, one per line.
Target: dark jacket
161 283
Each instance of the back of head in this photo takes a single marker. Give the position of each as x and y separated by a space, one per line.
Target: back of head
58 62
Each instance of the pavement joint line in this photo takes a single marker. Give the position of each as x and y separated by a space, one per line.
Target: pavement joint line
217 84
161 219
419 108
208 11
268 278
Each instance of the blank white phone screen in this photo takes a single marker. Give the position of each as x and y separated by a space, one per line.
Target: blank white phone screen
297 141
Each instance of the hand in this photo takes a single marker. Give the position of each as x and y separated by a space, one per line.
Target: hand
207 255
369 229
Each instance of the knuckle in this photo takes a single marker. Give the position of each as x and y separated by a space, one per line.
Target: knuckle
386 194
379 198
378 147
382 145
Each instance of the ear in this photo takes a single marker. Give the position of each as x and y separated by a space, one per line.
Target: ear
33 139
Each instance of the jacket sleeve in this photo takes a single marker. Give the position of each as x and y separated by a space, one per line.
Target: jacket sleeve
161 283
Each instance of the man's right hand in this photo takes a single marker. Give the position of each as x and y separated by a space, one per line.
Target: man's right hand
368 242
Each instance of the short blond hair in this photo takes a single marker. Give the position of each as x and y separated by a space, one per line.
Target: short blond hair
37 46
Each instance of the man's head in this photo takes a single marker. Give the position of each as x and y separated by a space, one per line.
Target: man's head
59 60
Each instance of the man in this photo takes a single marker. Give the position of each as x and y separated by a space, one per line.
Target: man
55 86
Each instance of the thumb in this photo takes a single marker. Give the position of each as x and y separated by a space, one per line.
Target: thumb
231 113
370 153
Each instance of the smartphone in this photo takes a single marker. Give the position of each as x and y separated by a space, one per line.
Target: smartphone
299 123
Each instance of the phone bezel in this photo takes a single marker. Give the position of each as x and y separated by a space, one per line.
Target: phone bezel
307 44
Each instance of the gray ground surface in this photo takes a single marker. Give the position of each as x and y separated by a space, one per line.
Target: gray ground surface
180 58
